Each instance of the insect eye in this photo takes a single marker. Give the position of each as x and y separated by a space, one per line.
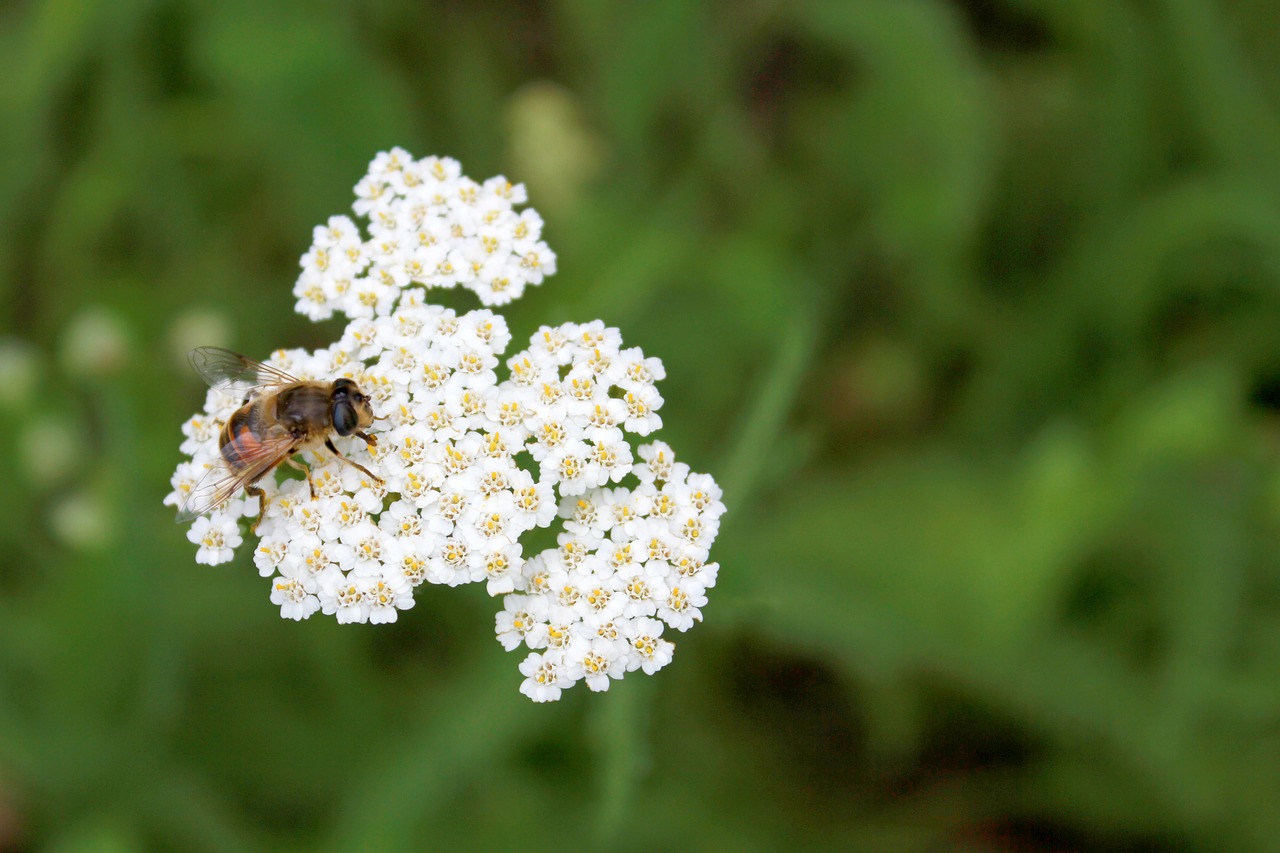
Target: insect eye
345 419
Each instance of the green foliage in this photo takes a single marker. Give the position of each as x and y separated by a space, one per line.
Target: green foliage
971 306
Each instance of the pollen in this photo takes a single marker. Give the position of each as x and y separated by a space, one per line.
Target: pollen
558 636
678 601
551 391
598 361
637 589
413 569
527 499
510 414
495 447
433 375
472 403
546 673
570 468
621 555
496 565
493 524
572 553
454 553
551 434
636 407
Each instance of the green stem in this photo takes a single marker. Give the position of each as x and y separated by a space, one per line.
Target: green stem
749 454
621 733
621 720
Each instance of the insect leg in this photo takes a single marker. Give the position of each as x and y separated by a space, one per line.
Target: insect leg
295 462
257 492
328 442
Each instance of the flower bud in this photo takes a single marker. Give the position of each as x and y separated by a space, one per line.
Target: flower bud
197 327
551 144
19 370
96 343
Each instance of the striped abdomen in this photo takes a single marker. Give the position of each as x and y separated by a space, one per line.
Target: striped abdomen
241 446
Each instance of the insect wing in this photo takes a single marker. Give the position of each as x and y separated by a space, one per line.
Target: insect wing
234 374
222 481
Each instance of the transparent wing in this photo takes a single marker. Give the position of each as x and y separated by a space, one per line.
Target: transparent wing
234 374
222 481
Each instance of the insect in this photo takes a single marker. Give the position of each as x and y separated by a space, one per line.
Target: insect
280 416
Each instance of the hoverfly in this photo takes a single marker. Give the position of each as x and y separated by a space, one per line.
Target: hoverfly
280 417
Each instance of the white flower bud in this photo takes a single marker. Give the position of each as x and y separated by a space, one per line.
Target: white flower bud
50 447
197 327
551 142
96 343
82 521
19 371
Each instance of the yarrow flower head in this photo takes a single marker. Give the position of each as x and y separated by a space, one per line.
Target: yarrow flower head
427 225
472 448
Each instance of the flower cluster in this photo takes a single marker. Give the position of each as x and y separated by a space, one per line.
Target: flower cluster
473 451
625 556
428 225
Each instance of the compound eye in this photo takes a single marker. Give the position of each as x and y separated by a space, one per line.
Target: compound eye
345 419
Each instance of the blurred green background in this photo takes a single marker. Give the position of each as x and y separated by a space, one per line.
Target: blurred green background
972 306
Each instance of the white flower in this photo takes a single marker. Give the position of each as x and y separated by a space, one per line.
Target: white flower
385 597
660 464
501 567
679 608
218 536
545 677
648 650
269 555
185 479
343 596
296 601
474 447
522 617
599 661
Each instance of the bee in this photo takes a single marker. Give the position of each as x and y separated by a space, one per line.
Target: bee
280 416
